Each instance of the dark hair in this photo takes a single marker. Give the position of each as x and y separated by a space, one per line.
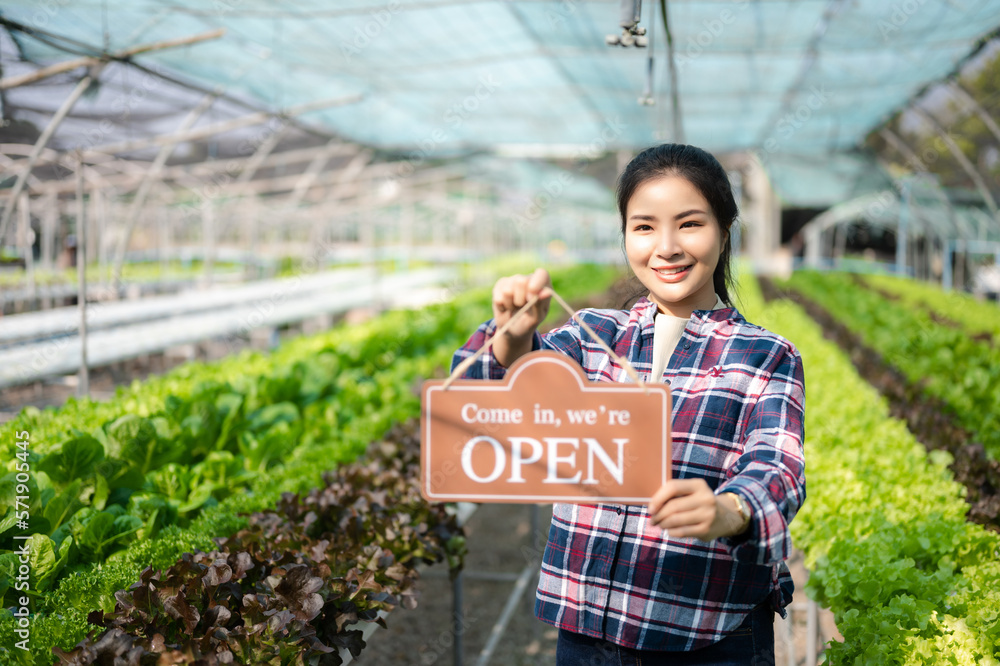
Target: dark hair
702 170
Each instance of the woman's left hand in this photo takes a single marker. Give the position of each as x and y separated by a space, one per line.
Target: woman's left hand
689 508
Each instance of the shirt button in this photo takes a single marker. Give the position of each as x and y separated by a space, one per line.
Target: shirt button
619 510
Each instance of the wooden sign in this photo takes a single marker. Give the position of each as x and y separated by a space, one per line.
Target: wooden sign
544 434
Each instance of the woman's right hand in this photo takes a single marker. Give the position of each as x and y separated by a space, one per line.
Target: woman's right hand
510 294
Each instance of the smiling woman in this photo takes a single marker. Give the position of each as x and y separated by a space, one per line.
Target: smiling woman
696 576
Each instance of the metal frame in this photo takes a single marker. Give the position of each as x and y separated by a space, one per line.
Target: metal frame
968 247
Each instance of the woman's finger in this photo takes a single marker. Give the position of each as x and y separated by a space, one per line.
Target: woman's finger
519 287
537 281
671 489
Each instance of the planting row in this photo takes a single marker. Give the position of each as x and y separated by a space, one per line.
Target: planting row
945 361
312 404
928 418
979 319
884 532
293 586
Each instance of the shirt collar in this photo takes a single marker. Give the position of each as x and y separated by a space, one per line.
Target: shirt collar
644 311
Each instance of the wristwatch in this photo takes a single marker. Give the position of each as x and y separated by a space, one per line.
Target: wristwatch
743 509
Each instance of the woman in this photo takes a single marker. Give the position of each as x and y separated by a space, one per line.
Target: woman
696 576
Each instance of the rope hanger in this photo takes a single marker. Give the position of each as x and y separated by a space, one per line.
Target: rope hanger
621 361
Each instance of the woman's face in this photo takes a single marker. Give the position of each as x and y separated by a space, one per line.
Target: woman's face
673 243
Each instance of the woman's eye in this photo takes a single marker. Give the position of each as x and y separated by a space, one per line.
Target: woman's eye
642 227
690 223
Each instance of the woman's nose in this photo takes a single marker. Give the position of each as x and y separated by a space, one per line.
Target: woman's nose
667 244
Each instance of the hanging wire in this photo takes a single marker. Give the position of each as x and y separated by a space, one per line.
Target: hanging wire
675 100
648 98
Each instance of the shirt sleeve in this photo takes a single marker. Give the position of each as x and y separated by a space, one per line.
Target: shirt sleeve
770 473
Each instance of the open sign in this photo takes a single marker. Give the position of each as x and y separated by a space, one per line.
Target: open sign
544 433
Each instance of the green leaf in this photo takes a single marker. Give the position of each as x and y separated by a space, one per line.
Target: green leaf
271 415
75 459
61 507
199 495
172 480
101 492
137 441
41 559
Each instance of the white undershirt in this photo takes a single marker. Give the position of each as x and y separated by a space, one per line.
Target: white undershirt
666 334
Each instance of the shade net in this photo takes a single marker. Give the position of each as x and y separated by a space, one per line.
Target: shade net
805 76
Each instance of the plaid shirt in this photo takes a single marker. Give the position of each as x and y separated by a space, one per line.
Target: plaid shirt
738 399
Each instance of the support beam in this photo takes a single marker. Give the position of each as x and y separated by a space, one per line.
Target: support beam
93 174
83 384
349 174
151 176
131 173
27 244
67 106
50 223
964 162
90 61
983 114
912 159
260 154
308 177
45 72
224 126
40 144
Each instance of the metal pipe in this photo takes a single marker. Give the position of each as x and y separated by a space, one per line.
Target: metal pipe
902 231
83 384
812 632
496 633
457 618
962 160
675 100
27 246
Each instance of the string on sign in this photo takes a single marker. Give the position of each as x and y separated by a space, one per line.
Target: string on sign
621 361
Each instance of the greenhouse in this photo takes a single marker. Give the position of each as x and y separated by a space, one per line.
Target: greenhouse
252 253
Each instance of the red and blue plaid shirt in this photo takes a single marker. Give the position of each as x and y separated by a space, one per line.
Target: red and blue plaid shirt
738 399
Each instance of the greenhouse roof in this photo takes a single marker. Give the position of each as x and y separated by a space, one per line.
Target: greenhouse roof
818 181
533 76
928 210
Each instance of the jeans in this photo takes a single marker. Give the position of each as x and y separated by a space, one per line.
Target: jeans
750 644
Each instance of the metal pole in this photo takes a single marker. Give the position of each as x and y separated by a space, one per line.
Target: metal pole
162 219
457 616
406 212
675 99
50 219
27 246
983 114
208 238
812 631
963 161
946 269
501 624
83 384
901 230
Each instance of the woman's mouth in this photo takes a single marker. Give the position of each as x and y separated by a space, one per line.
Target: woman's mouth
672 274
